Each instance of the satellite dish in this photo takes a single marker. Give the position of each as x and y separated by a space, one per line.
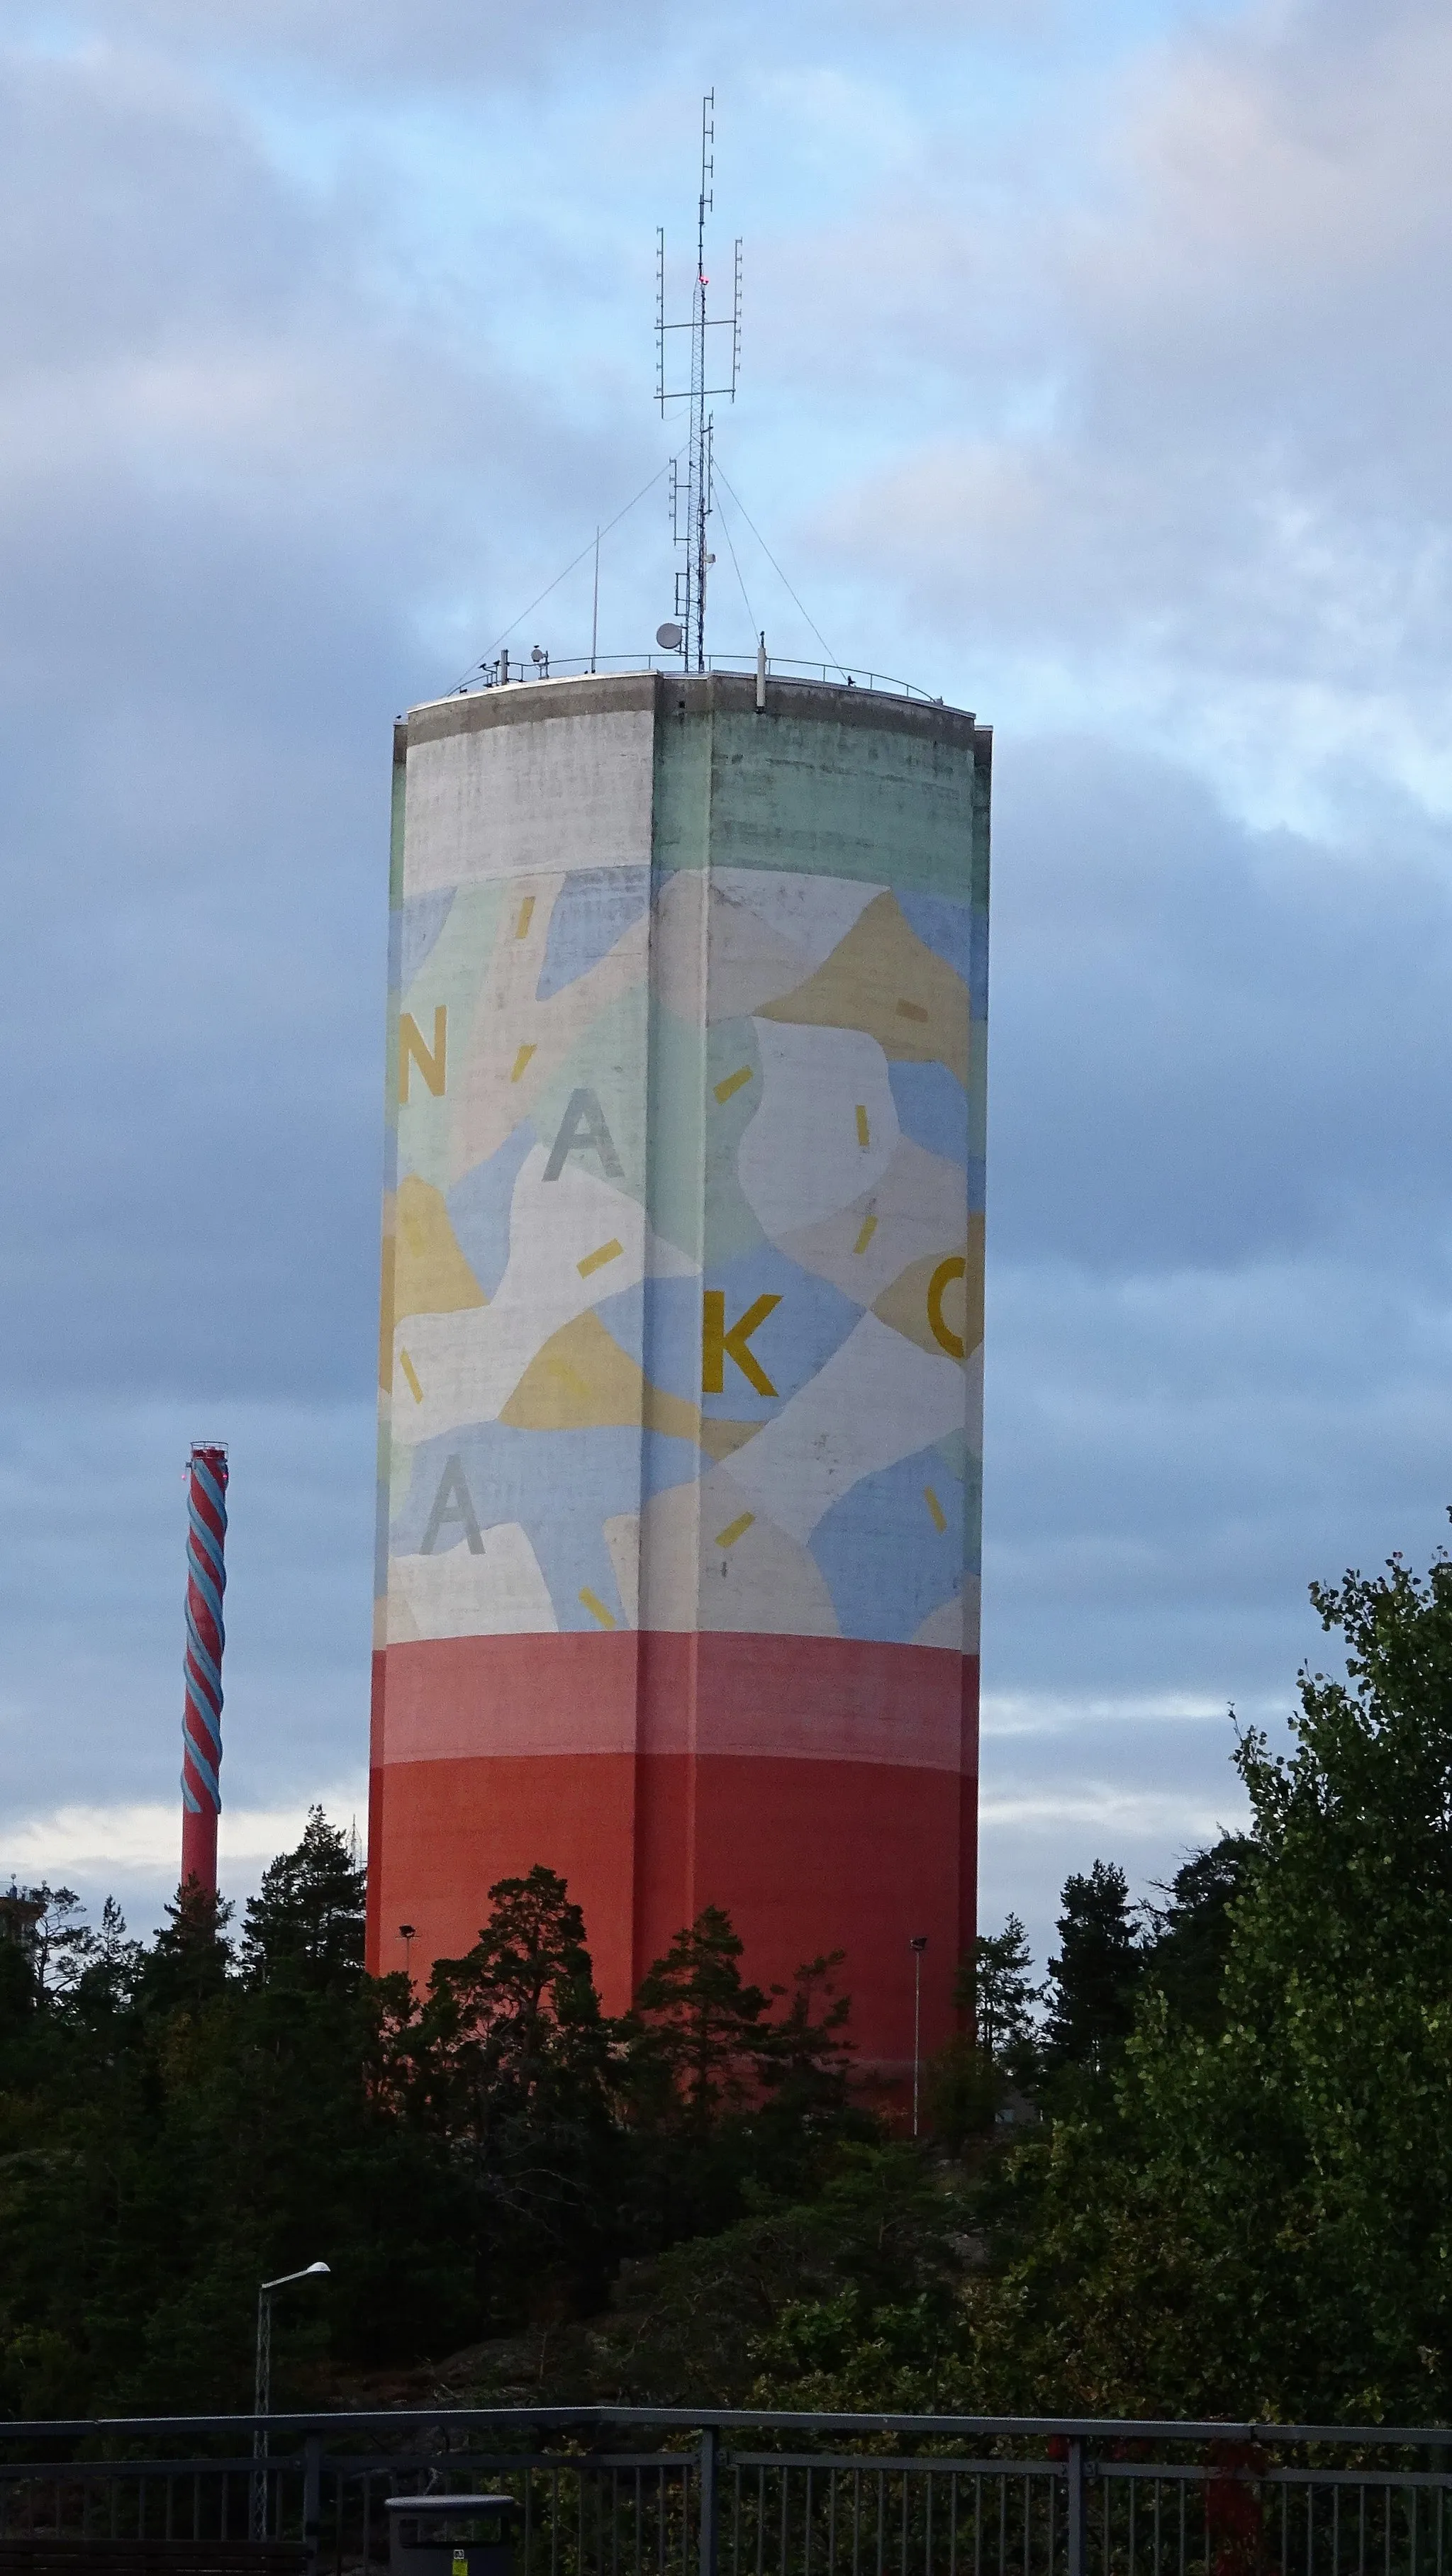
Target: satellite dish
669 638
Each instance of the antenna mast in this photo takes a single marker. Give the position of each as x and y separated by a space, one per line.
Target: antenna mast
690 494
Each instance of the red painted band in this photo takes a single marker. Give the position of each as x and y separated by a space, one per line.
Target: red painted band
810 1850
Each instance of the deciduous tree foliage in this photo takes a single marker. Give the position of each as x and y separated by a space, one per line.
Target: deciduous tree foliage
1259 2218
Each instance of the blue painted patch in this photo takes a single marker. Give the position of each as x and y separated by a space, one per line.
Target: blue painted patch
561 1486
957 934
420 921
884 1560
594 908
978 966
479 1206
946 928
932 1109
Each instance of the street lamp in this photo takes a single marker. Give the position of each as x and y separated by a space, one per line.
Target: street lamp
262 2386
917 1945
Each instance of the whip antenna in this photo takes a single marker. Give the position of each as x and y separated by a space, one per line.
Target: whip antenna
690 493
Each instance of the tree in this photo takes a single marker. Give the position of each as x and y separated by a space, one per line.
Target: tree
996 1986
305 1925
698 2024
1187 1940
1255 2219
191 1957
1092 1983
515 2027
806 2057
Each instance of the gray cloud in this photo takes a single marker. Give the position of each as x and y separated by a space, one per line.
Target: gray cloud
1151 437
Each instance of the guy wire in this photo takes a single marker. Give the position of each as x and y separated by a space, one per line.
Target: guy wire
503 638
776 568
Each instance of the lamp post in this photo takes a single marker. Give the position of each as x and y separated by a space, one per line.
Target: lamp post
262 2386
917 1945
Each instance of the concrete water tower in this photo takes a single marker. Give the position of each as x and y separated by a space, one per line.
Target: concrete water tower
682 1324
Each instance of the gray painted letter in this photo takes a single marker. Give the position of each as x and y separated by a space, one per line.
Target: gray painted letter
583 1126
453 1502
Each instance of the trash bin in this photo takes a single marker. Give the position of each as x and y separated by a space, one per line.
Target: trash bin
451 2535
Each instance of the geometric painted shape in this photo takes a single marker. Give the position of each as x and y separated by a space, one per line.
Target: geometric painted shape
932 1109
430 1273
583 1376
878 1546
803 1154
883 980
830 1435
479 1207
419 925
594 908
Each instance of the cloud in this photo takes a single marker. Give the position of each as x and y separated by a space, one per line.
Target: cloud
1199 468
115 1843
1100 370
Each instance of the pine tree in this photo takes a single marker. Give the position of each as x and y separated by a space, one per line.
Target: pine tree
996 1986
1092 1983
699 2025
304 1928
515 2025
1188 1938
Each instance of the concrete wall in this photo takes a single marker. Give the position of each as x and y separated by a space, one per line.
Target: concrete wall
681 1360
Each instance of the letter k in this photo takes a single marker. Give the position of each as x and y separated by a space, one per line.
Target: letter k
717 1345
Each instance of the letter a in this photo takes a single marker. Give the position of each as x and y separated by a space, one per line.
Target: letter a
411 1049
717 1345
583 1129
453 1502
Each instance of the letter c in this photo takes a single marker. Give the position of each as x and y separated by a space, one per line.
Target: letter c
942 1279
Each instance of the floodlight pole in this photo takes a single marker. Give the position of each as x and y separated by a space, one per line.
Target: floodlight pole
262 2386
917 1946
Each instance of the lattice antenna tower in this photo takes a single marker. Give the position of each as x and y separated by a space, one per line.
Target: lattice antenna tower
690 492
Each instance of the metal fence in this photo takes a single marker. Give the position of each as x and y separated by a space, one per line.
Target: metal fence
574 666
606 2492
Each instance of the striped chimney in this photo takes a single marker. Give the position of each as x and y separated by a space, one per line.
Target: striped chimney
202 1716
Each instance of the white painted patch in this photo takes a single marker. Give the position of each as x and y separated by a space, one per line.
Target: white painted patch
458 1593
567 792
878 1398
801 1156
811 914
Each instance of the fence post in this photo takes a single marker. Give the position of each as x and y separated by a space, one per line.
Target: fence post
1074 2516
312 2499
710 2501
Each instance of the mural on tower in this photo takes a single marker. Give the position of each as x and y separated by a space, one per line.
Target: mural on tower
682 1323
733 1383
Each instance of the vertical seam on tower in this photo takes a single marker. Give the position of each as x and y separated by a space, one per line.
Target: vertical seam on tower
639 1843
693 1904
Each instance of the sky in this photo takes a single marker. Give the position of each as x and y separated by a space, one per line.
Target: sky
1096 375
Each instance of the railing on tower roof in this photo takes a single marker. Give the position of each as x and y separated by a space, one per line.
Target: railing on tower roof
506 671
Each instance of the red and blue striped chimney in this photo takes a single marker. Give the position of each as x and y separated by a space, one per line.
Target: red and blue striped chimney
202 1715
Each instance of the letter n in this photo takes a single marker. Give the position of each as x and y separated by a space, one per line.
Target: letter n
411 1050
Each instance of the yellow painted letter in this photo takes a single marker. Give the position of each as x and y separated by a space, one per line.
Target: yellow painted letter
717 1345
943 1333
411 1049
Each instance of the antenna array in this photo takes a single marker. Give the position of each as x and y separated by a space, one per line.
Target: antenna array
690 493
